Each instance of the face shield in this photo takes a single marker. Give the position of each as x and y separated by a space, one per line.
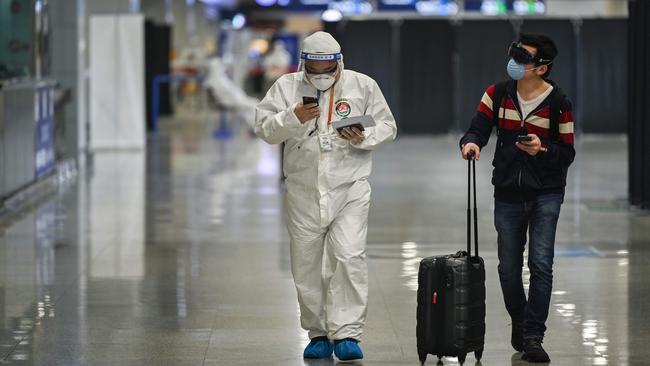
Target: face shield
321 77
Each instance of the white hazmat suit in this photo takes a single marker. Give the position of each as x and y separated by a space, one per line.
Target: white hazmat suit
328 193
228 94
277 62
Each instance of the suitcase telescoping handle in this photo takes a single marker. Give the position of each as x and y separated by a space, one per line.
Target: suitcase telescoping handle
471 163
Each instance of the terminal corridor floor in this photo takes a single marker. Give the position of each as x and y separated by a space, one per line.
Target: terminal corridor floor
179 256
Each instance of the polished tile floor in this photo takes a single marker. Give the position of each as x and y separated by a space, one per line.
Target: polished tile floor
179 257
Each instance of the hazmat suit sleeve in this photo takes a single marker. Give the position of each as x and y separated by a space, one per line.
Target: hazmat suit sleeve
385 129
275 119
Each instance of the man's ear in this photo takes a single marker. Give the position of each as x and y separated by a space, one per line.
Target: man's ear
542 70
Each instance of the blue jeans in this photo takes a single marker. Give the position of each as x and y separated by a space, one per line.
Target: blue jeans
512 220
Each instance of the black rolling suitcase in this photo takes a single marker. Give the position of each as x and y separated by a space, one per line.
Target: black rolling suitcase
451 298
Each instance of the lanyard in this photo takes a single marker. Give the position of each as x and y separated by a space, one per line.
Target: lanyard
329 117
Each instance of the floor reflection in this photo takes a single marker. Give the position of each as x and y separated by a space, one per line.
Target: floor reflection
179 256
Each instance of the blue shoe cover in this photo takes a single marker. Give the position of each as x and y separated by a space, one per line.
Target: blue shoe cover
348 350
319 347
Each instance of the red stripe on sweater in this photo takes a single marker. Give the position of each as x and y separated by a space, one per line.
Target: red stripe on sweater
485 110
567 138
544 113
539 131
512 125
566 117
508 103
509 124
490 90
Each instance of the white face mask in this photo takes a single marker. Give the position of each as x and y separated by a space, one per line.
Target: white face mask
322 82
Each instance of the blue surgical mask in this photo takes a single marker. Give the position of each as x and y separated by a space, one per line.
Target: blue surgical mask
515 70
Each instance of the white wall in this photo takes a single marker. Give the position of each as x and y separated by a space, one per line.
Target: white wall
117 99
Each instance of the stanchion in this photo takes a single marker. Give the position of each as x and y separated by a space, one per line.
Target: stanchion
223 132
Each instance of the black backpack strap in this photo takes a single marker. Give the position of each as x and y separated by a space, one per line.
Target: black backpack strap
499 93
556 110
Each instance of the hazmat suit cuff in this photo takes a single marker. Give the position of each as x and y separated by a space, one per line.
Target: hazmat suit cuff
368 143
376 136
365 145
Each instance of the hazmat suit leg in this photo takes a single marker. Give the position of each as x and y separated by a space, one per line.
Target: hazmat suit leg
346 268
307 244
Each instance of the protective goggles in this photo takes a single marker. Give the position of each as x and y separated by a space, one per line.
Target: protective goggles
521 55
321 72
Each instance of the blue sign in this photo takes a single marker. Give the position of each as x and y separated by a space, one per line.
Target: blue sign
408 5
44 109
424 7
305 5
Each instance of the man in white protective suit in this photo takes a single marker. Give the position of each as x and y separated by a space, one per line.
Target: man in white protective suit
276 64
328 193
228 94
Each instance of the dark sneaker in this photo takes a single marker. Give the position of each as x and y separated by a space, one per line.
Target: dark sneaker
517 337
533 351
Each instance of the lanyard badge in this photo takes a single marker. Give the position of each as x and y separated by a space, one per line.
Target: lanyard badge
325 140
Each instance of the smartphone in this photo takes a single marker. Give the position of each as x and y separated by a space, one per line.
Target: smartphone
309 100
524 138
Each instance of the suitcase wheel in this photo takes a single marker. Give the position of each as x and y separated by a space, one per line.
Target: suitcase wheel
423 356
461 358
478 354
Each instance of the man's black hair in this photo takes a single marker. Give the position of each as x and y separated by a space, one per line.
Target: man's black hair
546 48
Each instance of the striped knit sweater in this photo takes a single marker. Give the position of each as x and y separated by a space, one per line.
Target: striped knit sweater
518 176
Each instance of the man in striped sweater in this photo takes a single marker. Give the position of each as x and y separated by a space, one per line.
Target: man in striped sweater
534 150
